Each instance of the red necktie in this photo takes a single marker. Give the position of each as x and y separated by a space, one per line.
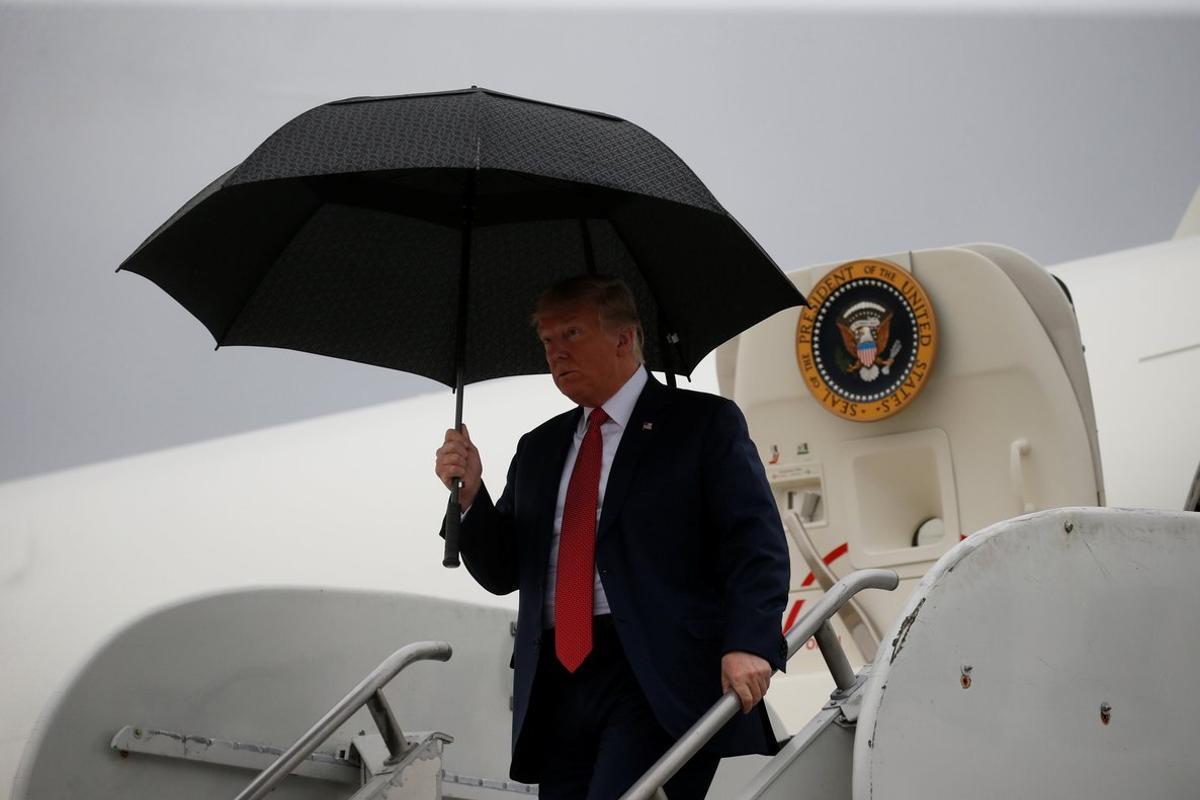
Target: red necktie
575 582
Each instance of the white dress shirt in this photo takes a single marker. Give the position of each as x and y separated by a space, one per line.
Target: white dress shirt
619 408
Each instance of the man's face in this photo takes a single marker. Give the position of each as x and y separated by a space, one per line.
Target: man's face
589 363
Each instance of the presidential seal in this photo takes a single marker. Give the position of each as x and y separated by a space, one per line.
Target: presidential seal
867 340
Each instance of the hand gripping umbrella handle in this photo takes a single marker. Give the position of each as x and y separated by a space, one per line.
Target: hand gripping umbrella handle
453 522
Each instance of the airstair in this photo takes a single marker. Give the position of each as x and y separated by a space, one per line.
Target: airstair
386 765
390 765
196 698
1047 655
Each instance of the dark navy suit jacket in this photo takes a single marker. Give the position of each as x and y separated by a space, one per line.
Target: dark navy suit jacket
689 547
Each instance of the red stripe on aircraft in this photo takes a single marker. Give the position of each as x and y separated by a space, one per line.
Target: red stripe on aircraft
830 557
795 612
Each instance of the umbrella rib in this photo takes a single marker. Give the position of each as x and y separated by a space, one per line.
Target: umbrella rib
258 284
212 188
662 334
589 256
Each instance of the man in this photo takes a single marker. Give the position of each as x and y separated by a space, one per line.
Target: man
649 556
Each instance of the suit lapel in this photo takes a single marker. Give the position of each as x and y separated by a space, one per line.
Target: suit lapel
553 455
638 436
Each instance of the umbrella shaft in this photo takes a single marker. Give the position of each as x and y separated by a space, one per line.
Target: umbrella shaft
464 286
453 507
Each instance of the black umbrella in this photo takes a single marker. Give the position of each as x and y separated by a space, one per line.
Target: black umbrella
414 232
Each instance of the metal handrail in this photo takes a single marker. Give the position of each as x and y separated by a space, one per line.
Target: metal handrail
724 709
367 690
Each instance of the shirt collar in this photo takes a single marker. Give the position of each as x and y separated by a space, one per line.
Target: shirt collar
619 407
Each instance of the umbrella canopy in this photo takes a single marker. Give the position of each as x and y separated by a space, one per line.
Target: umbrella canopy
414 232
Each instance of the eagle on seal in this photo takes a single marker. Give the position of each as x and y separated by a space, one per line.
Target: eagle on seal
866 329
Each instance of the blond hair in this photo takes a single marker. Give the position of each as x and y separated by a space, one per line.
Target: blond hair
608 295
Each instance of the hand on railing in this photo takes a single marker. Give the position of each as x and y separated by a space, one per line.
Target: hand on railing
811 624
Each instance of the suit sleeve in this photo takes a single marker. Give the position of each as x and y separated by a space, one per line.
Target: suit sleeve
754 562
488 537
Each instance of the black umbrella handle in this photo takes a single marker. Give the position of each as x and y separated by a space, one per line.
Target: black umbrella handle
453 523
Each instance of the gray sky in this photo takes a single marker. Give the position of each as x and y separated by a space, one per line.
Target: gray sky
829 134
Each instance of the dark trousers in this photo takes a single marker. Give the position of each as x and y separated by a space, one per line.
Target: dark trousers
594 729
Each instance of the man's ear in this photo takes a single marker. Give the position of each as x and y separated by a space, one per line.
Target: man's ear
625 336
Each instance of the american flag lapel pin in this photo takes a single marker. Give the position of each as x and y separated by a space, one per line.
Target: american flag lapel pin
647 426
